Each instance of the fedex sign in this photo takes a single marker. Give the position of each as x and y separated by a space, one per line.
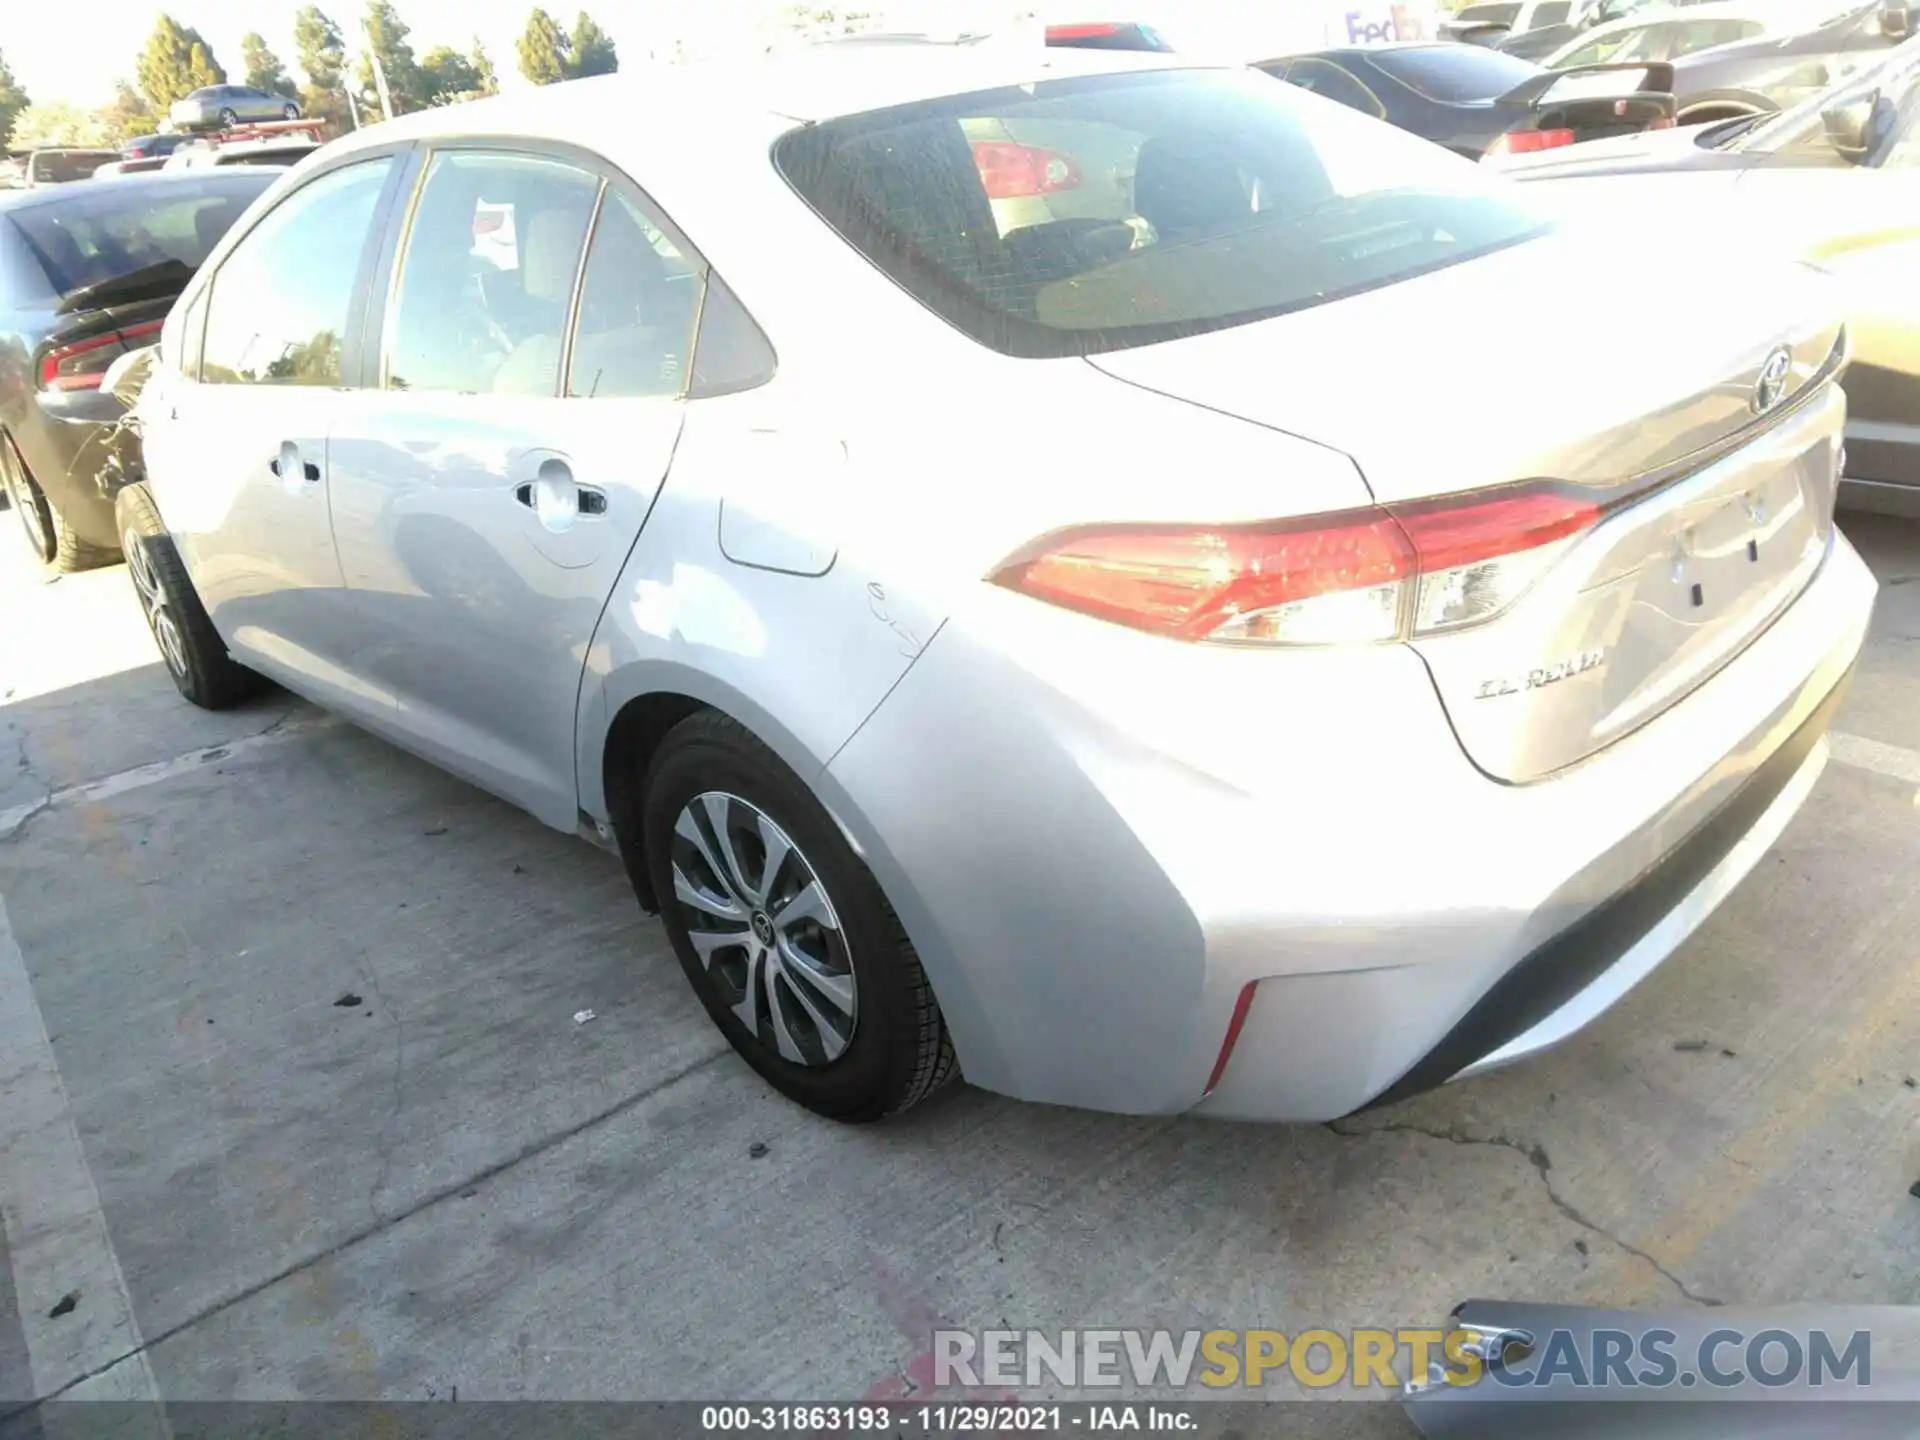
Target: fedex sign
1378 24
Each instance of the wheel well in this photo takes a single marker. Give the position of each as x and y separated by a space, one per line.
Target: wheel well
636 733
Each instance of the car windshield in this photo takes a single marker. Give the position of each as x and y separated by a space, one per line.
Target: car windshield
95 233
1897 72
58 167
1455 74
1078 216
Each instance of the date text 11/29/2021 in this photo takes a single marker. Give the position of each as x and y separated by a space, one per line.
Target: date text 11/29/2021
951 1419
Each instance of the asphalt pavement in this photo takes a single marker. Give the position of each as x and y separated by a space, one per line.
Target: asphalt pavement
295 1102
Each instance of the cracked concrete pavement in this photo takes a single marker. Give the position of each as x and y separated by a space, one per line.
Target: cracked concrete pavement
450 1183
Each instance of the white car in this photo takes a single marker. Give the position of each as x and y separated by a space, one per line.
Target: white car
1122 674
1666 32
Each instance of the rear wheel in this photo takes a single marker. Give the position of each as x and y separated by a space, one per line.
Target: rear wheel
784 934
292 112
48 535
227 119
195 655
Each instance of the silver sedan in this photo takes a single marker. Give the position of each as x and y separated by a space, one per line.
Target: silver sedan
1088 645
219 106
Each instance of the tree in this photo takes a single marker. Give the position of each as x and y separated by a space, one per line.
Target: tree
264 70
57 123
176 62
593 52
545 52
485 81
447 76
13 99
323 54
127 116
386 35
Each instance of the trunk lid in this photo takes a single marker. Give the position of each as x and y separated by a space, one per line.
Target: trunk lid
1469 379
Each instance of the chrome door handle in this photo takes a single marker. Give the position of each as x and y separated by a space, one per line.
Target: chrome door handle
288 465
557 501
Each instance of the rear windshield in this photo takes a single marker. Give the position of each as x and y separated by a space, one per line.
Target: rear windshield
1077 216
91 233
1456 74
1504 14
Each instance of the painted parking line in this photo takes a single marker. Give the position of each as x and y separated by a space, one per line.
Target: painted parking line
160 771
75 1314
1859 753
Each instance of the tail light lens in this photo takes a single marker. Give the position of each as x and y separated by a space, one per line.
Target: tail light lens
83 364
1358 576
1060 34
1013 172
1529 142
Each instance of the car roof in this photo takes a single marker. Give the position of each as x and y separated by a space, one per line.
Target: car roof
803 86
154 180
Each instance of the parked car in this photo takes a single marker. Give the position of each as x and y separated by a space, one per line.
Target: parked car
288 150
1108 35
115 168
1666 33
62 166
1534 29
1063 761
87 272
1779 70
1835 181
142 147
218 106
1479 102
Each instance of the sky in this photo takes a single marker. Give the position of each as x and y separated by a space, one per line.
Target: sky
56 60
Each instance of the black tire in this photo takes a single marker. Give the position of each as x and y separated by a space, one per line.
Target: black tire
291 111
227 119
898 1052
50 538
198 661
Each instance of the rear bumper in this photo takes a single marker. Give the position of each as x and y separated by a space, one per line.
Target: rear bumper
79 460
1099 842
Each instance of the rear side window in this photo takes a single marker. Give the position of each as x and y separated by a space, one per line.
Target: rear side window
492 255
280 302
1704 34
1076 216
93 234
1553 12
1455 74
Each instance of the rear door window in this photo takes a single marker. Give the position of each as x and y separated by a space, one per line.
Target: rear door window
1216 198
477 313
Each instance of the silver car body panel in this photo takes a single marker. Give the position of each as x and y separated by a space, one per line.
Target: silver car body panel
1096 838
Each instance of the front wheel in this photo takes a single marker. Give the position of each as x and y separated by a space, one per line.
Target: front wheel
784 934
195 655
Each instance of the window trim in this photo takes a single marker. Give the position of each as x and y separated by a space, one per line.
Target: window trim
385 282
203 282
1379 111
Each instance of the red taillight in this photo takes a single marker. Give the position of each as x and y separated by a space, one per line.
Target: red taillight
1357 576
1528 142
486 224
1012 172
1664 122
83 364
1058 33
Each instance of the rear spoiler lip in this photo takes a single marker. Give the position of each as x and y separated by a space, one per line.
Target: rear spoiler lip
1658 81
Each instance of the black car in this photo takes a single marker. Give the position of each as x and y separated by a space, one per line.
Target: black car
87 273
1777 72
146 147
1477 101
